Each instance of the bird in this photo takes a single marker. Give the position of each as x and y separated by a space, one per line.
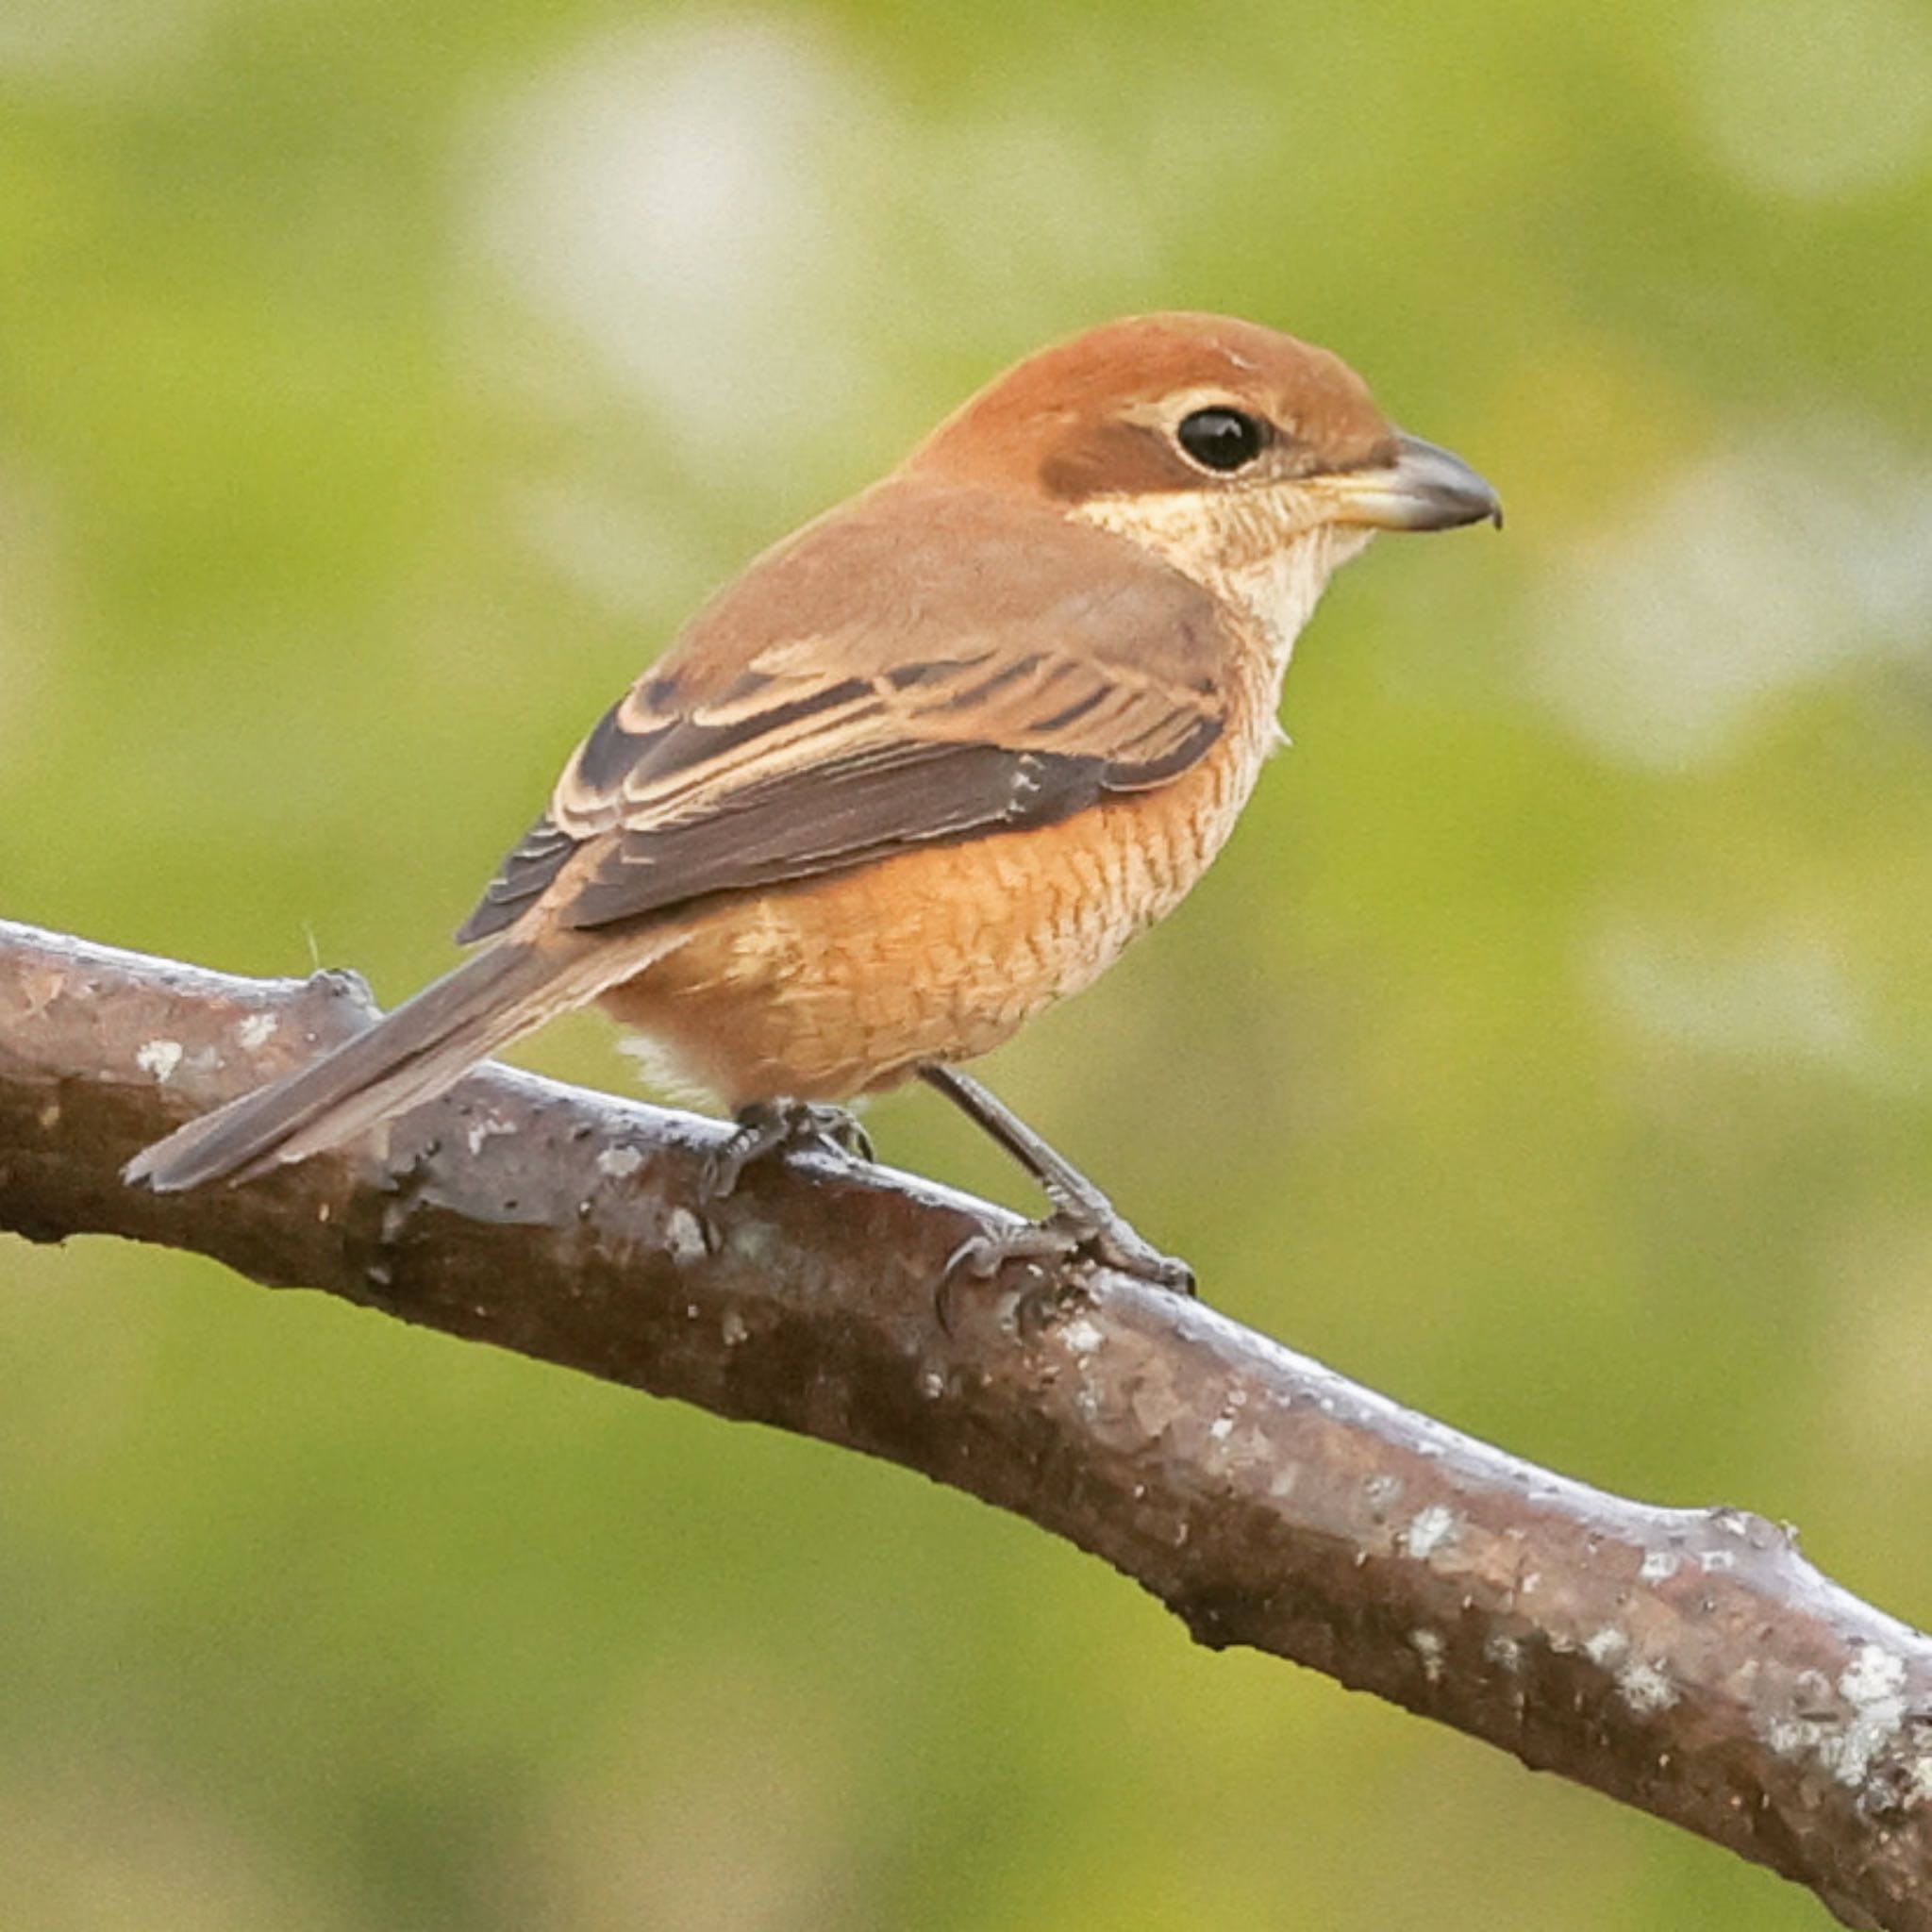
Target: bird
924 768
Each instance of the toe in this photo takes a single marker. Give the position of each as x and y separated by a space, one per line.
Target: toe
718 1178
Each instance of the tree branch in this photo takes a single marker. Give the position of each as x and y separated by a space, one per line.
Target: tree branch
1689 1662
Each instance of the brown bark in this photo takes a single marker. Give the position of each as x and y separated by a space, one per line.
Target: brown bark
1690 1663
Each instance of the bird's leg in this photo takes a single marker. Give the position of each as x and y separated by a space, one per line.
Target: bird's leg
1084 1221
776 1126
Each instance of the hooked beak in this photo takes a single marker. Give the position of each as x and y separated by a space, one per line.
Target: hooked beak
1423 489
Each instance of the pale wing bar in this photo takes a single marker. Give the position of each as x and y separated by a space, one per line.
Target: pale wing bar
732 795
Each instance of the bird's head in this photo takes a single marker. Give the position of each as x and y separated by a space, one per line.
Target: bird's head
1250 461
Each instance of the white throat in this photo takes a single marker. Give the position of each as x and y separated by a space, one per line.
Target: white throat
1279 578
1281 589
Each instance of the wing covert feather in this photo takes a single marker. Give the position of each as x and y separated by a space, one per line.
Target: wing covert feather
995 676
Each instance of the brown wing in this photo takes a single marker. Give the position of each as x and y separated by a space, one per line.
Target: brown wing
925 665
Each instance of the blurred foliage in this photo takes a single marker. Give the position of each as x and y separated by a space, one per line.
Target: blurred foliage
1552 1048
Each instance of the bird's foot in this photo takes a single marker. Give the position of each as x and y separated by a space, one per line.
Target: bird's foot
779 1126
1074 1236
1083 1231
1100 1233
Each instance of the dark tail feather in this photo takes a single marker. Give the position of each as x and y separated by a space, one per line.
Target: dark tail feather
408 1058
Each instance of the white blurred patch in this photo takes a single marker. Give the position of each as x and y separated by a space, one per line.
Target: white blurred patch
1814 99
744 258
1779 997
672 197
1752 573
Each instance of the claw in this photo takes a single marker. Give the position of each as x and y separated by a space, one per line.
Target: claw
1059 1250
1045 1251
778 1127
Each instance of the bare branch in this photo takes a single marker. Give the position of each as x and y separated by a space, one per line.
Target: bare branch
1689 1662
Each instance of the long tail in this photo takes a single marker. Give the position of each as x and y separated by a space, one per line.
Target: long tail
408 1058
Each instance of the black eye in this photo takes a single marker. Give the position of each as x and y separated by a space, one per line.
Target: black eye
1220 438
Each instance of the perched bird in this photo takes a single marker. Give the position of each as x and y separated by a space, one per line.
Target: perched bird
926 766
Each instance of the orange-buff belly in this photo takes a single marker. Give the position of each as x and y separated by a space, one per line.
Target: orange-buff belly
845 985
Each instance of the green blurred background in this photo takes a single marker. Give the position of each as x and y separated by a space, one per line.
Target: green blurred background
379 385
